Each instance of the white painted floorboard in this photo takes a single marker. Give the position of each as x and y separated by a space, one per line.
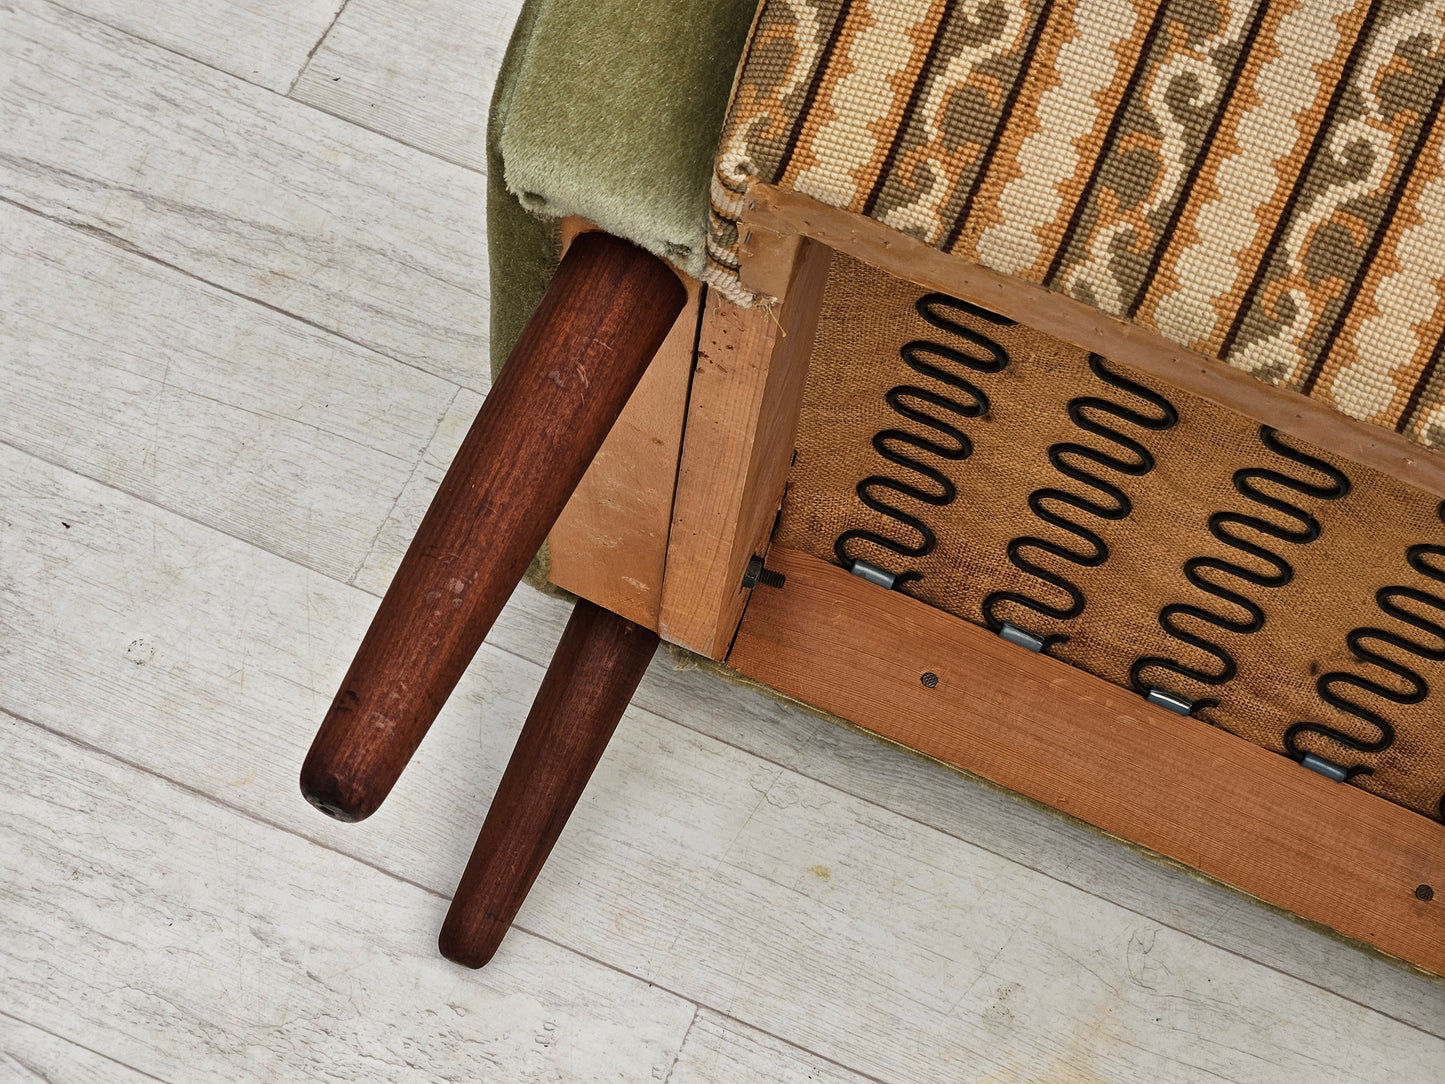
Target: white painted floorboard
185 940
195 399
419 70
230 383
31 1055
261 41
256 193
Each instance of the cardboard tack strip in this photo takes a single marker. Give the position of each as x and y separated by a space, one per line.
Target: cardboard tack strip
1256 820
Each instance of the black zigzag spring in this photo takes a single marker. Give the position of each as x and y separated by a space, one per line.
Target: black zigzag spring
1064 509
944 363
1240 613
1366 642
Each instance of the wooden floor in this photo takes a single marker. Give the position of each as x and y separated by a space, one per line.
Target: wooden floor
243 328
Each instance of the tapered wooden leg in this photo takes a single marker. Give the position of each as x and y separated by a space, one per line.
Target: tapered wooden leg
589 683
571 373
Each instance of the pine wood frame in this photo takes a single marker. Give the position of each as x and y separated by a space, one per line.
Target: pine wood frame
1331 853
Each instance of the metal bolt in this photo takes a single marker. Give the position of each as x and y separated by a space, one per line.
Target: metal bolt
930 680
752 572
1424 892
756 574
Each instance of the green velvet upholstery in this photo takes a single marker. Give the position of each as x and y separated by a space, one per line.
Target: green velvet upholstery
612 112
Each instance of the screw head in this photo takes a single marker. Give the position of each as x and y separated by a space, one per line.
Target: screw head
752 572
930 680
1424 892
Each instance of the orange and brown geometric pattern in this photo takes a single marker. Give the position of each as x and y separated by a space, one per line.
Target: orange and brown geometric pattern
1260 180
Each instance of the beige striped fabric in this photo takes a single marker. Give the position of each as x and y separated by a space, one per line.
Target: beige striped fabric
1263 182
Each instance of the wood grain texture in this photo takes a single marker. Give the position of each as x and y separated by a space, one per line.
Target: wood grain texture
573 369
257 40
121 369
1333 854
853 932
777 213
377 568
722 1051
254 193
135 923
29 1055
609 544
747 391
420 71
588 686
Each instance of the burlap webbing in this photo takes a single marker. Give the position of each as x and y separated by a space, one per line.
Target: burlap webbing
1361 548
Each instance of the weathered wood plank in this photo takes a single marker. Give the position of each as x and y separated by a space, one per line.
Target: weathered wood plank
159 926
253 192
29 1055
420 71
874 941
723 1051
197 400
257 40
1336 855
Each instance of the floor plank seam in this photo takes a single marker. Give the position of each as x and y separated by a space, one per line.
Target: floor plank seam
125 245
196 792
677 1055
416 468
61 6
392 136
76 1043
306 61
301 102
151 502
699 1005
869 1077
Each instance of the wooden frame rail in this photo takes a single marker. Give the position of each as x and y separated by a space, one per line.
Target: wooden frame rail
742 420
1256 820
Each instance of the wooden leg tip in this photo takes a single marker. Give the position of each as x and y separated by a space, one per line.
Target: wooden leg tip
469 951
330 795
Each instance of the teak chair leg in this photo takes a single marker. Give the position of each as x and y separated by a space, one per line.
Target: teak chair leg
599 661
572 371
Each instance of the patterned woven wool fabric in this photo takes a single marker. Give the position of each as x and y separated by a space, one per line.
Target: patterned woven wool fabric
1144 534
1262 182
